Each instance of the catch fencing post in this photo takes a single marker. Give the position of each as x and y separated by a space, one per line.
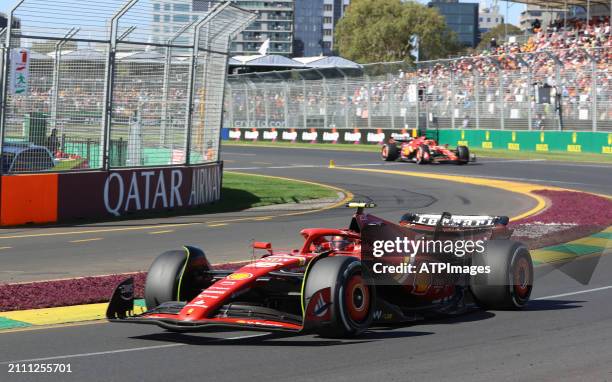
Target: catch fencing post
325 95
519 61
347 105
593 89
5 71
500 89
305 104
230 104
453 96
266 98
246 104
502 101
369 100
417 108
477 96
56 75
558 65
286 103
109 83
193 62
163 133
391 98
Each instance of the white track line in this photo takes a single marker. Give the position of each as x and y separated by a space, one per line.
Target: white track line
239 154
312 166
574 293
511 160
81 355
401 163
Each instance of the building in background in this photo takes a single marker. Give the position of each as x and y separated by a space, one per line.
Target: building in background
4 22
333 10
274 21
308 34
295 27
544 15
489 17
168 17
315 25
461 18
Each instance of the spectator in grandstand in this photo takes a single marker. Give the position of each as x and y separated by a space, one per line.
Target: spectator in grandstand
466 122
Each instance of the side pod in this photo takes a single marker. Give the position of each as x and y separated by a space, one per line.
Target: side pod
122 303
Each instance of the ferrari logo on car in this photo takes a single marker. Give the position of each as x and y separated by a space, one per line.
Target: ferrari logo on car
240 276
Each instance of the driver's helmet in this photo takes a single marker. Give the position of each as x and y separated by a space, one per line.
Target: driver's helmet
341 243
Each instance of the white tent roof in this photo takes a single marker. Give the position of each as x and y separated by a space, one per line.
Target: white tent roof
327 62
267 60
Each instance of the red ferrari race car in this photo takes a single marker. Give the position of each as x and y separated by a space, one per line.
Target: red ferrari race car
423 150
331 285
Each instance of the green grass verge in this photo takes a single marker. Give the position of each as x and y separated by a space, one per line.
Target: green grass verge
242 191
553 155
556 156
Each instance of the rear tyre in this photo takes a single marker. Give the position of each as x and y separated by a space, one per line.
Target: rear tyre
423 155
176 276
389 152
510 281
463 155
352 294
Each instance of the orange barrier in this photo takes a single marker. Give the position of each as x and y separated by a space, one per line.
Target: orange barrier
63 197
28 199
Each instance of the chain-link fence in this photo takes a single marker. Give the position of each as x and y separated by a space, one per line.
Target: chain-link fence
568 90
119 83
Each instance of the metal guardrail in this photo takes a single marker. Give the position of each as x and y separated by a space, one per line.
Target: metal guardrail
108 72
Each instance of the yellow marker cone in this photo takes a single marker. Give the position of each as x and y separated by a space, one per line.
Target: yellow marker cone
331 163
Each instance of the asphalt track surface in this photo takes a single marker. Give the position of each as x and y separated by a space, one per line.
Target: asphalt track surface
564 335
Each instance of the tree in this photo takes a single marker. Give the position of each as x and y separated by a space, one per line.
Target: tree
498 33
381 30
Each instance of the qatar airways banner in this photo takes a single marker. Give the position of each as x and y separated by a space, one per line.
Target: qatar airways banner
132 191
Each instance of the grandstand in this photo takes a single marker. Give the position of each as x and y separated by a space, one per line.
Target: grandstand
494 89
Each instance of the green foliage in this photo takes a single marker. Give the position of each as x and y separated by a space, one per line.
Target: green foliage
498 33
381 30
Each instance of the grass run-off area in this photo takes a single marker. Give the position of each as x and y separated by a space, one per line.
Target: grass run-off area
553 155
241 191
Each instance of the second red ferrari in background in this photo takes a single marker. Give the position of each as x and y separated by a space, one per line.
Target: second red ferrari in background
423 150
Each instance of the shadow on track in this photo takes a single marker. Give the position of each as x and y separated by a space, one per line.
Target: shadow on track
279 339
543 305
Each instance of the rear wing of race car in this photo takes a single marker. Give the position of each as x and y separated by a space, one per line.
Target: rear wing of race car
446 219
401 137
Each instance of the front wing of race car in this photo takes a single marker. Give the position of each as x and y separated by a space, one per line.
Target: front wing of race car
121 309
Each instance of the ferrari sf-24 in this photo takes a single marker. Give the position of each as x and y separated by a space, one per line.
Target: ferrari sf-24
423 150
327 286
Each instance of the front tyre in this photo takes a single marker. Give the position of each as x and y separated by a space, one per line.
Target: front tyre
176 276
345 282
510 281
389 152
463 154
423 155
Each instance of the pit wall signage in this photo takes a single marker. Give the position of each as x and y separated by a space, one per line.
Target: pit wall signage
126 192
333 135
537 141
572 142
